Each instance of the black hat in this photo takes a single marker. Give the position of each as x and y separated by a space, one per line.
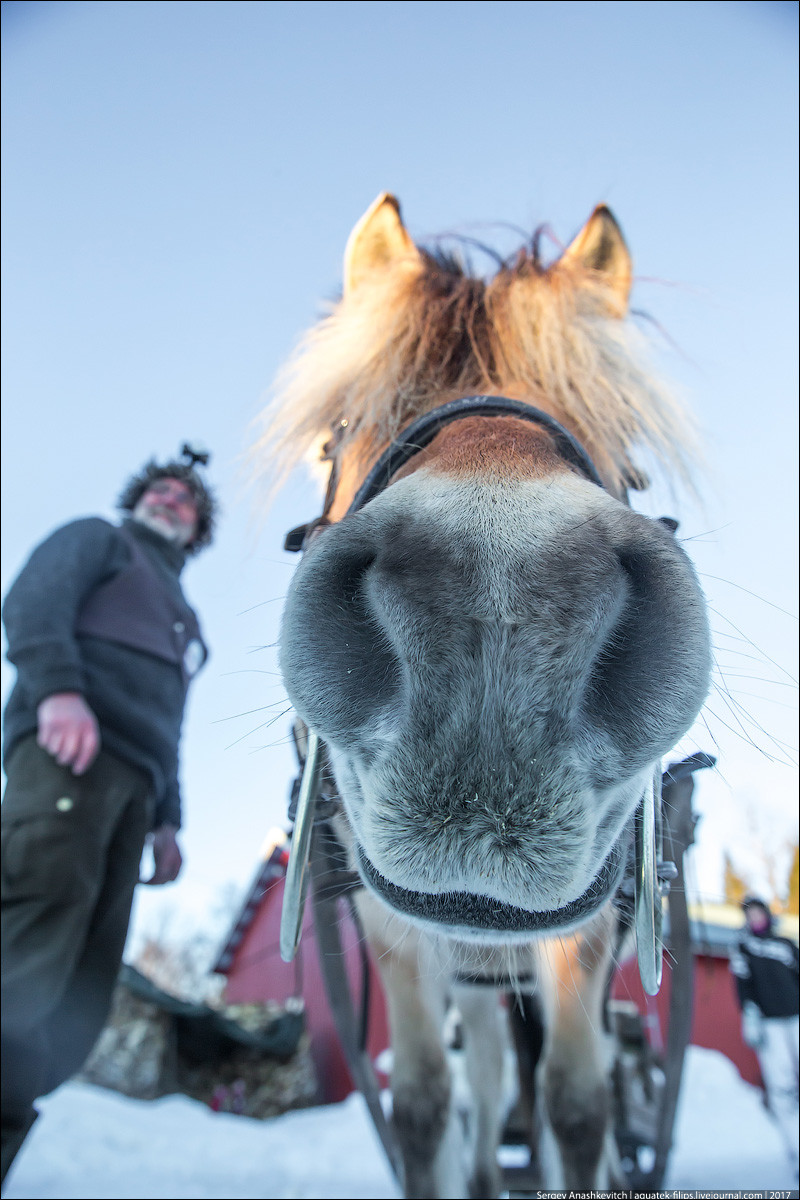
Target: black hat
184 469
756 902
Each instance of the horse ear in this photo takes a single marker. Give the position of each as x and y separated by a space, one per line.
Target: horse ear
379 239
600 247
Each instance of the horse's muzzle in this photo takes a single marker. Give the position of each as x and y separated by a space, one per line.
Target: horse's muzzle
469 916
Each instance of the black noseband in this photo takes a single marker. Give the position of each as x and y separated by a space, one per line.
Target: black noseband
421 433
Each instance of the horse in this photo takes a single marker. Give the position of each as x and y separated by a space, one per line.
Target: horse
495 651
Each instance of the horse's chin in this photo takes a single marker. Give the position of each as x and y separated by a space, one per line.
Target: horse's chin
468 916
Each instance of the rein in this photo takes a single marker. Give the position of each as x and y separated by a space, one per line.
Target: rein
651 876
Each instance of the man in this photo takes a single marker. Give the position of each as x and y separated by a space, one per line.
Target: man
105 646
765 967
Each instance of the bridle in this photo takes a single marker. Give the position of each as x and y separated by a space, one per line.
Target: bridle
420 433
651 876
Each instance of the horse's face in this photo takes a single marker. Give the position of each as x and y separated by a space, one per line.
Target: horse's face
496 650
497 653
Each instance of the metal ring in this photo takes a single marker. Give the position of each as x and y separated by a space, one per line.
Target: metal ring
649 915
296 883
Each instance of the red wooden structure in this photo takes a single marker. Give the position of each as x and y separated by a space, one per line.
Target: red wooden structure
255 972
716 1021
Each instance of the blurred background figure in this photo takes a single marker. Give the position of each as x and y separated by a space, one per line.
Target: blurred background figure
765 967
105 646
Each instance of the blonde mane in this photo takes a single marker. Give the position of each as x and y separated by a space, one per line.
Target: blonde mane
411 337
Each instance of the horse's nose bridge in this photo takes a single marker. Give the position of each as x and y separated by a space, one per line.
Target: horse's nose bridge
437 590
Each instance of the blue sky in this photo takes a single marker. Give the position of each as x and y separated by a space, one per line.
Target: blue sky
179 183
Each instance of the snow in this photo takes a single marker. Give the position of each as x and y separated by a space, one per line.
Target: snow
90 1143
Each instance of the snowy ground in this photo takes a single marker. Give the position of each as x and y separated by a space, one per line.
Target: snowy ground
90 1143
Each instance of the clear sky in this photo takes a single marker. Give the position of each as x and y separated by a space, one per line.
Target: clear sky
179 183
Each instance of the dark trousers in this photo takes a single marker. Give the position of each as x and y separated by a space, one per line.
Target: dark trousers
71 848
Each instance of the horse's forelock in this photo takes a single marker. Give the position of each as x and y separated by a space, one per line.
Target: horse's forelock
412 337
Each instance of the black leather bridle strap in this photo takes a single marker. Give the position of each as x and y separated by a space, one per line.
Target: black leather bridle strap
421 433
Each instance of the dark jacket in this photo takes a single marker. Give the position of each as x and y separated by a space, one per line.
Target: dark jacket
766 972
99 610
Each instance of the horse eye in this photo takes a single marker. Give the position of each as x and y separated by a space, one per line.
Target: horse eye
670 523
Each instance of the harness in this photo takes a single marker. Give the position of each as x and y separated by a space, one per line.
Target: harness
317 854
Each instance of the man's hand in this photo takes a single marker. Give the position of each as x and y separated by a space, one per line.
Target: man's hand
166 855
68 730
752 1025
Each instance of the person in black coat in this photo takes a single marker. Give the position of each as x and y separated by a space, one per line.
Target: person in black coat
105 646
765 967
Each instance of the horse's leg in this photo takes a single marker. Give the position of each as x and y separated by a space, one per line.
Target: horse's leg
575 1073
485 1043
422 1113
